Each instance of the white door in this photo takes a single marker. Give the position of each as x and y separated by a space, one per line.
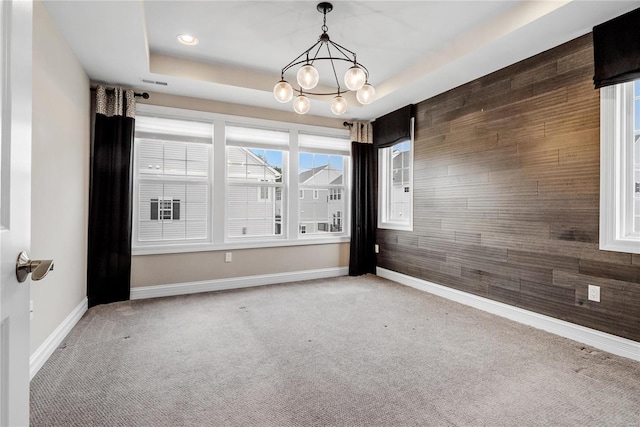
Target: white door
15 207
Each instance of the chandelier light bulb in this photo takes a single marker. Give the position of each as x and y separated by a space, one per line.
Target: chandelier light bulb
366 94
355 78
339 105
308 77
283 91
301 104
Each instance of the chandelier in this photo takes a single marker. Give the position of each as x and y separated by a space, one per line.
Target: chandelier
356 77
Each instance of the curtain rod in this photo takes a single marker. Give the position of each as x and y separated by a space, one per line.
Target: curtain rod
350 125
144 95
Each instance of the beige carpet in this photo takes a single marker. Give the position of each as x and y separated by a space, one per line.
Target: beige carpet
346 352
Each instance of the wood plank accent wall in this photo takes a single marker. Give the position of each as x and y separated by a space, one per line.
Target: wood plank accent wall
506 195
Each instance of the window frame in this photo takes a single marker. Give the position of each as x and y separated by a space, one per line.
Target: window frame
217 172
617 169
147 246
259 185
385 186
343 189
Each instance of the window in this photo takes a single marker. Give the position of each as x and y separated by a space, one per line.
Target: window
337 221
165 209
263 192
322 163
172 164
207 181
395 185
620 167
335 194
255 163
278 227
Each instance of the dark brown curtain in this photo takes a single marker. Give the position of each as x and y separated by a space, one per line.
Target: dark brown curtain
110 197
616 50
362 258
393 127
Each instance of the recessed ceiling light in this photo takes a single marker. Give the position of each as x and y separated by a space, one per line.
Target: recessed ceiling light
187 39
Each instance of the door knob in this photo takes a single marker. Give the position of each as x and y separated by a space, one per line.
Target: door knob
37 268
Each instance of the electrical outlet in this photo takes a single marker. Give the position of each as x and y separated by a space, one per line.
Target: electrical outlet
376 248
594 293
227 257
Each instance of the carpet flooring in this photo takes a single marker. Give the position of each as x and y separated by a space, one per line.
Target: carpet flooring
338 352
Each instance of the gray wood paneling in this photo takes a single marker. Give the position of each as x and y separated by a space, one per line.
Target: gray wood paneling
506 198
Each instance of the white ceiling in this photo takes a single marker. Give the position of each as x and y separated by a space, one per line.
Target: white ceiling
412 49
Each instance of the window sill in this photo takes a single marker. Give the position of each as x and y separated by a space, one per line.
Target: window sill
392 226
630 246
210 247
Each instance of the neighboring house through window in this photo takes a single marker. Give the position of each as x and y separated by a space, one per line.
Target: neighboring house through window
322 163
255 162
165 209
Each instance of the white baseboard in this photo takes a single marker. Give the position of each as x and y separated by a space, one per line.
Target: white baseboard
46 349
234 283
602 340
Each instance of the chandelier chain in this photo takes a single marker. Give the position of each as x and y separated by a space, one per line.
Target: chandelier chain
324 22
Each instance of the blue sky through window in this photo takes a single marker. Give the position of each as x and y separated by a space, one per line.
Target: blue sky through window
402 146
273 157
309 161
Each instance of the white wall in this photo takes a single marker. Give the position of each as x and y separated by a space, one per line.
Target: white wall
60 176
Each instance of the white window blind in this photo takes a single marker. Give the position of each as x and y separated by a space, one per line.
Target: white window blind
162 159
173 129
243 136
324 144
172 178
